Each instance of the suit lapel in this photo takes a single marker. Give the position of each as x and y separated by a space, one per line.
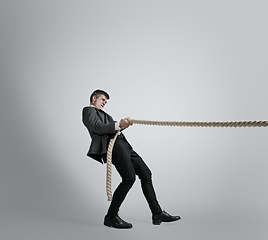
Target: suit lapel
102 115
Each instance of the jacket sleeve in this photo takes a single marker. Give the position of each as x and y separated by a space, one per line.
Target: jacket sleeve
94 123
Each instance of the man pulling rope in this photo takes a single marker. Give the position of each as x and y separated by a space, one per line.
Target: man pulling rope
102 129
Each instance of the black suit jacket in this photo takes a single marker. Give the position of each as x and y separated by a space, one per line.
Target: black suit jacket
100 130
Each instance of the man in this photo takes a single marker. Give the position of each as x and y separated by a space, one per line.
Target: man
128 163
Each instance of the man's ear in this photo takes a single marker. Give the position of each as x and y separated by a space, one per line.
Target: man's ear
94 99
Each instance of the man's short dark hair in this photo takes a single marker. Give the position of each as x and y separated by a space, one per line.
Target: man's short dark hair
97 93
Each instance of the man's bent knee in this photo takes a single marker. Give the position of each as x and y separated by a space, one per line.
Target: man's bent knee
129 180
146 175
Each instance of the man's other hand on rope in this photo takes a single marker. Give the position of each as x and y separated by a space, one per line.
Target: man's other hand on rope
124 123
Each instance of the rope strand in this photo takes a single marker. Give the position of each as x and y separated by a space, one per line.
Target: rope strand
202 124
109 167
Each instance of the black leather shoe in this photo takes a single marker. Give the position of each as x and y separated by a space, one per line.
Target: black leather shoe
164 217
116 222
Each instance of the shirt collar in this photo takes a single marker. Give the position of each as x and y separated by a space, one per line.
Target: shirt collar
96 108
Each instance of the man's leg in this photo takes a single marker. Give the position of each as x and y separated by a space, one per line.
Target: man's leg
145 175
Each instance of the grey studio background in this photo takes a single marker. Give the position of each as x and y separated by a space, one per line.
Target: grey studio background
159 60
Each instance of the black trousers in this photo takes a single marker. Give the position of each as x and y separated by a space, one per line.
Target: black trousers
128 164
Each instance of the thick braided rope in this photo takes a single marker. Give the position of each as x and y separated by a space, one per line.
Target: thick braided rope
172 123
202 124
109 167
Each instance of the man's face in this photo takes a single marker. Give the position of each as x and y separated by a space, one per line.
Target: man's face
99 102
